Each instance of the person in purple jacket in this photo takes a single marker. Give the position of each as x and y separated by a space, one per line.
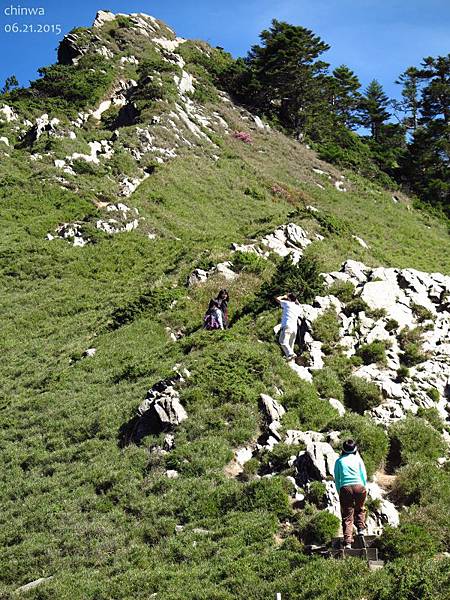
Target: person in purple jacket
351 479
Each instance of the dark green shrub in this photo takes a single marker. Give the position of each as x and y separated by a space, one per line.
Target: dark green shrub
124 21
402 373
343 290
306 410
373 504
406 540
331 223
264 494
81 84
361 395
421 313
277 458
328 384
414 439
416 482
355 306
391 325
376 313
340 364
432 416
375 352
82 167
251 467
317 494
433 393
302 279
326 327
356 360
410 342
248 262
372 441
321 528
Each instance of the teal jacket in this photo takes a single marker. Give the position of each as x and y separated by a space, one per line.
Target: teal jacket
349 469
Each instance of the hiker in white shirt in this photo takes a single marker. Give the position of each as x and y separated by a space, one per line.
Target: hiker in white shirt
289 323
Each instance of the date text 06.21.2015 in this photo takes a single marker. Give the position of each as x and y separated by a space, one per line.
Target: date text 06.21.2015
32 28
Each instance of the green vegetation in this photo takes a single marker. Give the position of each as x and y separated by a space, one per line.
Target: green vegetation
414 439
361 395
248 262
328 384
375 352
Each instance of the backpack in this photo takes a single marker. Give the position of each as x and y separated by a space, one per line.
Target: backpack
210 321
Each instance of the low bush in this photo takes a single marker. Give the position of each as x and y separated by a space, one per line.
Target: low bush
248 262
340 363
410 342
317 494
302 279
326 327
414 439
355 306
321 528
402 373
277 458
405 541
306 410
432 416
328 383
391 325
263 494
375 352
343 290
420 482
421 313
331 224
434 394
361 395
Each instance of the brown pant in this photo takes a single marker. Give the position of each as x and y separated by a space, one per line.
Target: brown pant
352 498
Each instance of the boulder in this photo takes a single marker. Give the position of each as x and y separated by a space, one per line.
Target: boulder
272 409
316 463
102 17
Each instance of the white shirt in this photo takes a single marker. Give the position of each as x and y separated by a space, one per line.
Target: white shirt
291 312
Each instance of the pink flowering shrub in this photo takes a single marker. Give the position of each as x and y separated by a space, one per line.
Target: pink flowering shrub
243 136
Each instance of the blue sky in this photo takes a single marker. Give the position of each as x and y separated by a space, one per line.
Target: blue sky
376 38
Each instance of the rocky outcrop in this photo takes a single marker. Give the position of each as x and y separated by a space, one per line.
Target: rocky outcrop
201 276
286 240
400 298
42 124
162 409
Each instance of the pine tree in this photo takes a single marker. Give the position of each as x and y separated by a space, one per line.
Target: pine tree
10 83
290 79
374 108
346 98
410 105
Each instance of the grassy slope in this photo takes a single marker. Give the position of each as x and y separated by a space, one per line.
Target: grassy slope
102 519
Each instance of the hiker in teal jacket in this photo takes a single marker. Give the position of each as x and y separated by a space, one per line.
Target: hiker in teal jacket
351 479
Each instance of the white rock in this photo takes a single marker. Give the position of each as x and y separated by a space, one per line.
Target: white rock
4 140
8 114
102 17
302 372
243 455
361 242
337 404
172 474
273 409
